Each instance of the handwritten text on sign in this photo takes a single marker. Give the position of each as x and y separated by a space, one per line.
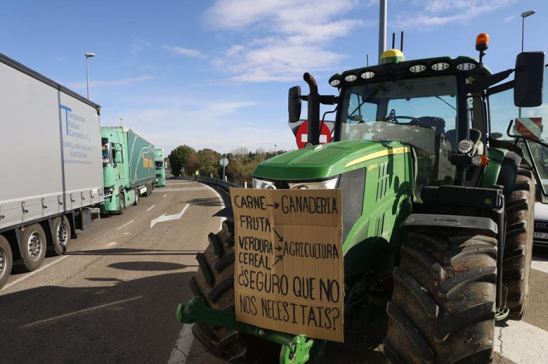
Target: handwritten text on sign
289 272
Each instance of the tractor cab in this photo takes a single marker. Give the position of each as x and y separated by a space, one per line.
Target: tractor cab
416 103
438 106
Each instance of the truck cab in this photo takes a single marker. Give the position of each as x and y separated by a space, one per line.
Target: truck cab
128 168
160 168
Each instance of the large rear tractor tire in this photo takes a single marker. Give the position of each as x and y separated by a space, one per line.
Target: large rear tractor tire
518 249
6 260
443 303
214 282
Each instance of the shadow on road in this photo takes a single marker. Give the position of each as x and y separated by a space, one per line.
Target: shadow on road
116 321
147 266
133 251
540 253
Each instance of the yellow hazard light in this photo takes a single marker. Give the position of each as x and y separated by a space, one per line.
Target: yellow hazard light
392 56
482 42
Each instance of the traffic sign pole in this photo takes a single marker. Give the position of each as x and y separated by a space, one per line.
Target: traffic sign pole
224 162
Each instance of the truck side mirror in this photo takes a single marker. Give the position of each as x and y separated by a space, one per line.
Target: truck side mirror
118 157
294 104
528 80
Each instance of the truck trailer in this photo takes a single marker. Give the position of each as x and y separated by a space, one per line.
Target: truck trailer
50 142
128 168
160 167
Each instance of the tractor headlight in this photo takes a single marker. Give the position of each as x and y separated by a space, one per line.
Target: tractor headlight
328 184
263 185
465 146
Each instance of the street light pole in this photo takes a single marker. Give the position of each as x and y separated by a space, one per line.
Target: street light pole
88 55
524 15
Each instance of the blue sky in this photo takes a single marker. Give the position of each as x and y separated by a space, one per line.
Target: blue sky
215 73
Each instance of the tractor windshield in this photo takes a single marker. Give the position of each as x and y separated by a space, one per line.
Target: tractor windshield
411 107
421 112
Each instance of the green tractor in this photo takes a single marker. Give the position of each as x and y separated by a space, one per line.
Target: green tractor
438 210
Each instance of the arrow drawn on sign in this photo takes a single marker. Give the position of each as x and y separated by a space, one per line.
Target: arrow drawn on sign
275 205
280 238
164 217
278 259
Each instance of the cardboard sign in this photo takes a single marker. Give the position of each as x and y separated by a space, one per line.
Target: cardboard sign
289 273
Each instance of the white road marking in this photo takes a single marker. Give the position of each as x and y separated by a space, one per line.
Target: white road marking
111 244
151 207
124 225
164 195
75 313
540 265
182 346
28 275
222 204
164 217
184 341
522 342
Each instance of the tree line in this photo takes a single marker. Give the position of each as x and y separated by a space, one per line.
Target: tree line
185 161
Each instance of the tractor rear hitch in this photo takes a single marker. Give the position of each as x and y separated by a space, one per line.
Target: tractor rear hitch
295 349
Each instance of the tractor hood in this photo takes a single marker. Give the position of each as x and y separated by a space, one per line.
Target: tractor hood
326 160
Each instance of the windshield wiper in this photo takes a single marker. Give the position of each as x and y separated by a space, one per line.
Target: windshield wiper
448 104
368 98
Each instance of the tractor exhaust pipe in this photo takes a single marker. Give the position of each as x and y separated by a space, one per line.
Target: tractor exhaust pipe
313 110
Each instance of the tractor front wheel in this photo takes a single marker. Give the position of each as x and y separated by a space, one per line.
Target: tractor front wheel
443 303
214 283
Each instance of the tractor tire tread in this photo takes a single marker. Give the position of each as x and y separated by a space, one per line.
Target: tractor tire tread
214 283
443 301
519 242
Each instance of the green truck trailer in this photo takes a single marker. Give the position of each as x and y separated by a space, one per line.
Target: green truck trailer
128 168
160 168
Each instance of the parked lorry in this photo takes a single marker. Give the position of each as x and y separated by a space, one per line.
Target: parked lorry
438 194
128 168
50 141
159 161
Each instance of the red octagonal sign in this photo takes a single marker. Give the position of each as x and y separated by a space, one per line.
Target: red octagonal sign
302 134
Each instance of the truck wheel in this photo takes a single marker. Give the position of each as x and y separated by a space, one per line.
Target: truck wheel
518 248
443 303
6 260
137 196
33 246
149 190
214 282
61 234
122 203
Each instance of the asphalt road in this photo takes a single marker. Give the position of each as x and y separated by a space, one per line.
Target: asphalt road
112 298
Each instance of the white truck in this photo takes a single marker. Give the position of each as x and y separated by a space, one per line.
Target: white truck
50 144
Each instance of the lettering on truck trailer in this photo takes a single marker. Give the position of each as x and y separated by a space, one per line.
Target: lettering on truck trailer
147 162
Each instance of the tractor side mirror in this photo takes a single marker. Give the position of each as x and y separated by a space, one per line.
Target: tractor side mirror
294 104
528 80
118 157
